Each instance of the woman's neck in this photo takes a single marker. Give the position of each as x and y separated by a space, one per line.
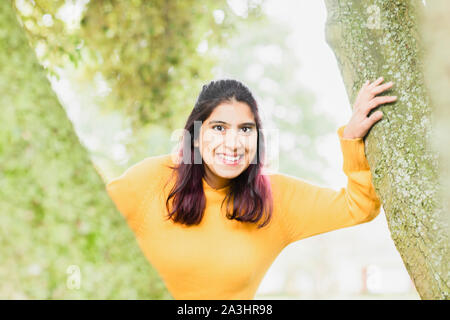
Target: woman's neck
214 181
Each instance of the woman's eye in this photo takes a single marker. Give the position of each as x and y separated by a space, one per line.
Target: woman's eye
217 126
246 129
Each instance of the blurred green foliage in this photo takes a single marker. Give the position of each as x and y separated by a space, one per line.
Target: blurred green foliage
149 53
154 56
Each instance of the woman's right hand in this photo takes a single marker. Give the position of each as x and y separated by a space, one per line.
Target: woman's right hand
366 100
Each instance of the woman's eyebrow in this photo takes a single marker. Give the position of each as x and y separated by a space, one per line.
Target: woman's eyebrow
250 124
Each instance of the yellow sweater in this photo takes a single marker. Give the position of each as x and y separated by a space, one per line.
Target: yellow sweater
227 259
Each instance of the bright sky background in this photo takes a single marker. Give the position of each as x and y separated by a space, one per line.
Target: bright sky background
318 72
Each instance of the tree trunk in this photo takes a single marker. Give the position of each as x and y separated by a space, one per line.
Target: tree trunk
382 38
435 30
61 236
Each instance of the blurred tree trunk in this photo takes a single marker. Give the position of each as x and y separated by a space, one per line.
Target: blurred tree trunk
61 237
435 32
382 38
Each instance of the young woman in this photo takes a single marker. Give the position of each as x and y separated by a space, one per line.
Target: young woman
209 220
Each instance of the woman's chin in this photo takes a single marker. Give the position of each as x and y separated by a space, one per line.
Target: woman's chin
228 173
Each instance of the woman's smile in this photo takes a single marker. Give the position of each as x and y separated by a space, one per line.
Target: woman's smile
230 159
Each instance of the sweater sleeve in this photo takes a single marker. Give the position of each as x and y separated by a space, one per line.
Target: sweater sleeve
129 190
309 210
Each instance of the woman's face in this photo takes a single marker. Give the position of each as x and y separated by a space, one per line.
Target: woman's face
228 142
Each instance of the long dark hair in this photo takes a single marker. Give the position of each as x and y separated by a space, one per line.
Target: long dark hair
250 190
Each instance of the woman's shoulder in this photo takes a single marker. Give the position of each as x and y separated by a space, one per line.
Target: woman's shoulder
148 170
156 162
152 165
280 179
283 183
130 188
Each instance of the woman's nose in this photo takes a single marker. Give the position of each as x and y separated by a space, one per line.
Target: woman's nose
231 139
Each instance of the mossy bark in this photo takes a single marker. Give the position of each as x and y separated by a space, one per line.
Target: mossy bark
61 236
435 32
382 38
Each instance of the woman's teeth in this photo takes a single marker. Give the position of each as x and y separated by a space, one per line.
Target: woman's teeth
229 158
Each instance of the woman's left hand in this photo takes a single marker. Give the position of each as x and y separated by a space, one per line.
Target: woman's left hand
366 100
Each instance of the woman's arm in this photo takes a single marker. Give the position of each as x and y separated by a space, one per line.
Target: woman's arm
131 188
127 192
308 210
